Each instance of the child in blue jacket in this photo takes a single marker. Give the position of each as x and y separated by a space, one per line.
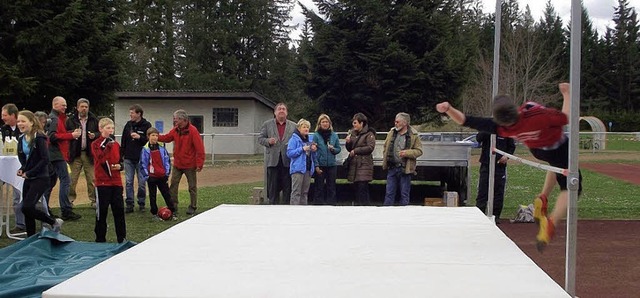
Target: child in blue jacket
302 152
155 167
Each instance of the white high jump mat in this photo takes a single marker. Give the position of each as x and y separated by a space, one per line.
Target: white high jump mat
320 251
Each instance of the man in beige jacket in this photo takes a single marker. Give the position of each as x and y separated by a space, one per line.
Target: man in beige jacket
401 149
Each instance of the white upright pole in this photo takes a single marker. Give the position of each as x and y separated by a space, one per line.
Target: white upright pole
574 138
494 91
492 175
496 49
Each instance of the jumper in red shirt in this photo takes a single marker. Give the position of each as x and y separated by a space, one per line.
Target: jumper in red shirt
537 126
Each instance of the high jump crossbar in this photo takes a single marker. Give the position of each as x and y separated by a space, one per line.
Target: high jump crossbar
534 164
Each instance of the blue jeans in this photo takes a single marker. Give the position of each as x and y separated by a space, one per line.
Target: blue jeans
17 208
396 178
130 169
62 170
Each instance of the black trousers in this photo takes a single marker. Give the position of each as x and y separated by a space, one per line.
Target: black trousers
500 181
53 179
278 179
325 186
32 191
362 193
154 184
110 196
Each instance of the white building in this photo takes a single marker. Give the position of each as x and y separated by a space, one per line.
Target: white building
229 120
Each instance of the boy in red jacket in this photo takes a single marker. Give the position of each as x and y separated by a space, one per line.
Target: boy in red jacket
155 166
106 162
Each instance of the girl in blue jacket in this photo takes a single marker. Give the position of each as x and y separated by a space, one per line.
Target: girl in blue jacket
33 153
302 152
326 169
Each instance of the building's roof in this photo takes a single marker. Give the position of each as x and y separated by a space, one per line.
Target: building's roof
194 95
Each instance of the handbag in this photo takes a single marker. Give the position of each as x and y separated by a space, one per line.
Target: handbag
346 162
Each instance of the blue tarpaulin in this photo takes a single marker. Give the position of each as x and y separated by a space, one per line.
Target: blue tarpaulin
44 260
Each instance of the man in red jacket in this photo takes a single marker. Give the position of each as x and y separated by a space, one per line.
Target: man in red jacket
59 153
188 157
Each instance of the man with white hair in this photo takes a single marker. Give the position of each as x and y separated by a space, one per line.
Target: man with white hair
401 149
188 157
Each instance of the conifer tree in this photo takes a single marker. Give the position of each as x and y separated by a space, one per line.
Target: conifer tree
71 48
626 54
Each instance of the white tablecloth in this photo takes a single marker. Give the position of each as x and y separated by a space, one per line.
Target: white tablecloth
320 251
9 166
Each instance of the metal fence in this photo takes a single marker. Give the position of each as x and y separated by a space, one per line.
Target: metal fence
247 143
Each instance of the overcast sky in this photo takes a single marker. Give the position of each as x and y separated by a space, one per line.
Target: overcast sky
600 11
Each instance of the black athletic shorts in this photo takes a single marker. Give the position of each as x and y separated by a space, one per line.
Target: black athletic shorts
558 157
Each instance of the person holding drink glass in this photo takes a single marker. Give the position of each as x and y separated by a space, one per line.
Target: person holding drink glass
274 136
134 137
80 158
302 153
326 168
360 142
59 139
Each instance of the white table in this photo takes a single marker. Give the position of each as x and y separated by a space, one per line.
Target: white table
9 166
320 251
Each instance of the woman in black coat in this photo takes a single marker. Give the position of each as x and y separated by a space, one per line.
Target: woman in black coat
33 154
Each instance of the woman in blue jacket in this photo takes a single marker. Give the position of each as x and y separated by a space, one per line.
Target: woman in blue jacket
302 152
326 169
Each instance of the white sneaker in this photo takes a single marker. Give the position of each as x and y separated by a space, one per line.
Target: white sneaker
57 225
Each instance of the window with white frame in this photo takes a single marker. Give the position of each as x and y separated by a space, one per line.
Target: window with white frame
225 117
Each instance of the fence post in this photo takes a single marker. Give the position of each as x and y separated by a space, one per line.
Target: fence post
213 159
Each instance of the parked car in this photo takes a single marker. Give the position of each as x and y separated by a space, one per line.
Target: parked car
471 139
440 137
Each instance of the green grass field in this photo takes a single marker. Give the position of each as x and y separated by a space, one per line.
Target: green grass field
623 143
603 198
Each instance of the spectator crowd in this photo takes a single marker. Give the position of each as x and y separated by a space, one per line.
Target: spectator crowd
58 147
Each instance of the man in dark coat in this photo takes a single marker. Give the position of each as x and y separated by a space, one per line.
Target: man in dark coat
134 137
80 158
